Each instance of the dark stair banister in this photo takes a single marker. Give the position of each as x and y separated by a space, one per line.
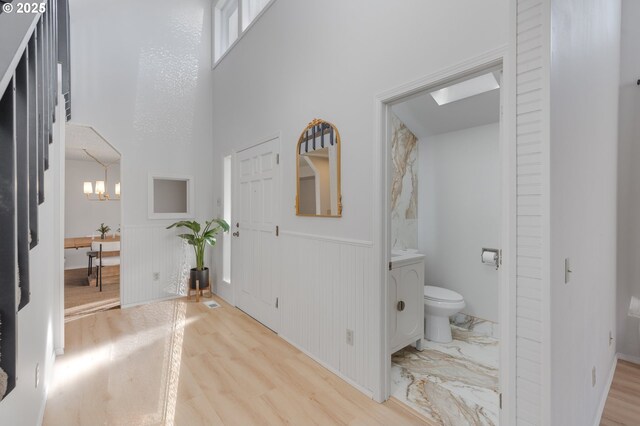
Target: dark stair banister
22 174
29 88
34 184
8 242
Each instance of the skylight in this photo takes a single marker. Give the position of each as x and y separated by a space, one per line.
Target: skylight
465 89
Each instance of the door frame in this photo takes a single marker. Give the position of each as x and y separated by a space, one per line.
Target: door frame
382 169
59 329
235 201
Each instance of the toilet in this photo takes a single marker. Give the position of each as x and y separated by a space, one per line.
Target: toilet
439 304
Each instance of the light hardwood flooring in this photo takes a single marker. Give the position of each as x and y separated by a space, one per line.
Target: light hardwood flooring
81 300
623 402
181 363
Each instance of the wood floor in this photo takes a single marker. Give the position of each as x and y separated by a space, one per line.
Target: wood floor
81 299
623 402
181 363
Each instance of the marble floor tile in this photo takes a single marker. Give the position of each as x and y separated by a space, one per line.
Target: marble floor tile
478 325
450 383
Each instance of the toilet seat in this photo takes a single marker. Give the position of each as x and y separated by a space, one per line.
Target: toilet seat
440 294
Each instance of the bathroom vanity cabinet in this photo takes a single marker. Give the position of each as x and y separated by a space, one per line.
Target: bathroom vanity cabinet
406 300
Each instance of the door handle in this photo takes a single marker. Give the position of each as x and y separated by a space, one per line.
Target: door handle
401 306
236 234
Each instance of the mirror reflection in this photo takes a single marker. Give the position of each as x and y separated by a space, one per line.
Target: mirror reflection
318 171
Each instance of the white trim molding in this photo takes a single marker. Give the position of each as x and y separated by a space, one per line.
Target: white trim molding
605 394
189 179
146 302
365 391
360 243
59 209
629 358
497 58
531 32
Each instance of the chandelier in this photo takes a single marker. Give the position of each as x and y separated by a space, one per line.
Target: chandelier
101 193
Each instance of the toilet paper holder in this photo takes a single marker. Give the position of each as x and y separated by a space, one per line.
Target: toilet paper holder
491 257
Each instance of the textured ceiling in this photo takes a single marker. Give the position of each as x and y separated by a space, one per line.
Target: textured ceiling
80 137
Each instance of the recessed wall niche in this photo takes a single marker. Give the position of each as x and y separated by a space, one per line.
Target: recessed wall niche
170 196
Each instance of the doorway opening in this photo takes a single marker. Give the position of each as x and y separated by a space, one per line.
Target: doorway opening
92 223
446 225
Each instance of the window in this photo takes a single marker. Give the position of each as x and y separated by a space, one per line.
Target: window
232 26
226 22
231 19
251 9
226 237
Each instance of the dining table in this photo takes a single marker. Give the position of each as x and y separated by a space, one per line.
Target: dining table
85 242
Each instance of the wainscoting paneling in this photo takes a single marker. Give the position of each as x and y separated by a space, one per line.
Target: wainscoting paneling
530 209
327 288
147 250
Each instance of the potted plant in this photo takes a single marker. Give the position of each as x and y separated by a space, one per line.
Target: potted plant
103 230
199 238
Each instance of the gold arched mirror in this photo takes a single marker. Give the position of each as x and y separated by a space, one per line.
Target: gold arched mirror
318 171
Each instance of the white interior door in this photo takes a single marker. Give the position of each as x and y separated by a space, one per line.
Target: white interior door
255 243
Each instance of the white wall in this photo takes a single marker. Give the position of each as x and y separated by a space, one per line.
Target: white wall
82 217
584 106
141 75
307 200
323 184
271 82
459 214
629 180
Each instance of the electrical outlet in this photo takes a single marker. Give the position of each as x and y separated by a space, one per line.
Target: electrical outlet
349 337
610 338
593 376
156 276
37 383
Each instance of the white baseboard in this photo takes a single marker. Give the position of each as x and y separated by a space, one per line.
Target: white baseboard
367 392
605 393
46 382
222 296
145 302
629 358
43 406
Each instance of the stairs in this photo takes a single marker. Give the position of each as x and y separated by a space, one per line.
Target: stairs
28 90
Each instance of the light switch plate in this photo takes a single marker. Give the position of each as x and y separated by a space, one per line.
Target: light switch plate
567 270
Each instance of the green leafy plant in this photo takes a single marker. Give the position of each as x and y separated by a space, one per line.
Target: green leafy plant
200 237
103 230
